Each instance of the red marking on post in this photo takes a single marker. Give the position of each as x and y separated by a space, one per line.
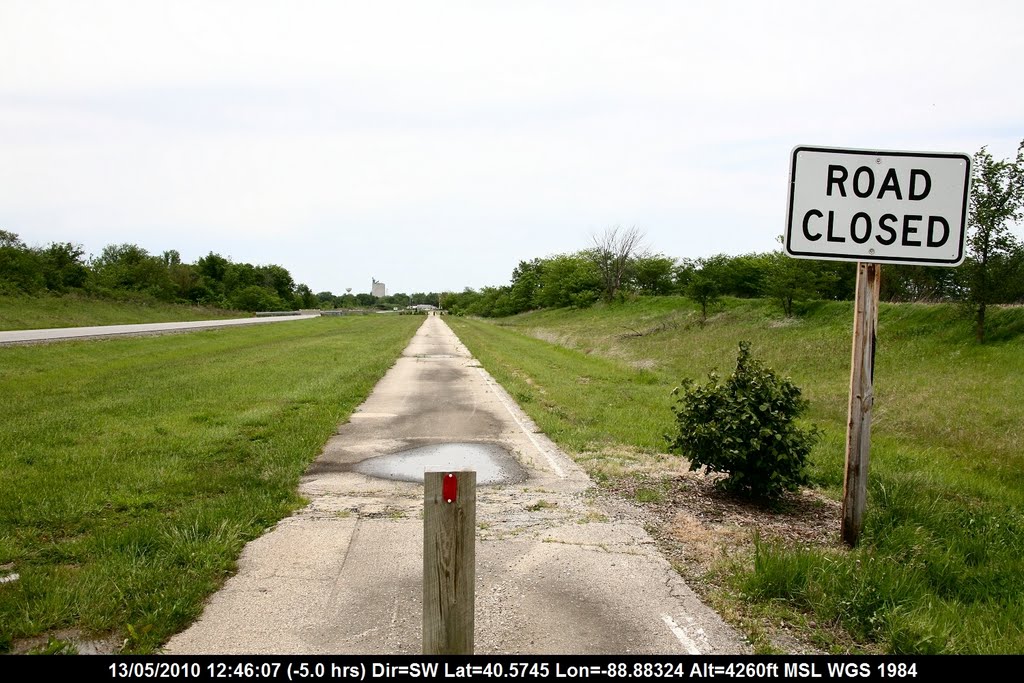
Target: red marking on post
450 487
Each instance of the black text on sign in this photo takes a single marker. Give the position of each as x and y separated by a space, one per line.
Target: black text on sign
862 205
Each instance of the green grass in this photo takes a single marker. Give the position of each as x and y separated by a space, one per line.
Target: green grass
940 566
134 470
43 312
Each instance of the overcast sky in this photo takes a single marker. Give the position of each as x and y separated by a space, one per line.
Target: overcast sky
433 145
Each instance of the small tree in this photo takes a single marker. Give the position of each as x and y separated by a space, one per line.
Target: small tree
790 281
613 254
704 291
744 428
997 201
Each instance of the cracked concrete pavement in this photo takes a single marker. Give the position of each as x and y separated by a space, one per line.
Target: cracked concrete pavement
558 572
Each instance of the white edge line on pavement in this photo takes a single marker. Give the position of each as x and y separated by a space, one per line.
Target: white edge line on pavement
554 465
680 634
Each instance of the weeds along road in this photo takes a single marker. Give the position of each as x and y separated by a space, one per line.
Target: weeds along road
63 333
556 573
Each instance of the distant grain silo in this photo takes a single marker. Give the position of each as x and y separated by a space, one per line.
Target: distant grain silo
378 289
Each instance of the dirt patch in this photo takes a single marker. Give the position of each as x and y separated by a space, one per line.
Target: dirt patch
551 337
611 463
693 510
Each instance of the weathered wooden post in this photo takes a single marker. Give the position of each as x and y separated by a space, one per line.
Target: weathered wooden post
862 398
449 562
874 207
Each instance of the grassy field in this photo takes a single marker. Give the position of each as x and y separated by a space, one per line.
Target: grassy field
940 567
134 470
43 312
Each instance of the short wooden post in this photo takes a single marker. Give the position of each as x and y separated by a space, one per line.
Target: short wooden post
862 397
449 562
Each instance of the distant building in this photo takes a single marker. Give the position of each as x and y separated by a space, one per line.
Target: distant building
378 290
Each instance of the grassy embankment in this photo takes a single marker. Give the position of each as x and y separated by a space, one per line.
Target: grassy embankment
44 312
134 470
940 566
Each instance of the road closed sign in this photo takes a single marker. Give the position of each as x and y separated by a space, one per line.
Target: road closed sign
875 206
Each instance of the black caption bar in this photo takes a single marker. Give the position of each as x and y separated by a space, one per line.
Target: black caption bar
550 668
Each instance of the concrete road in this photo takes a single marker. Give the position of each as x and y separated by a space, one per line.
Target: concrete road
556 572
62 333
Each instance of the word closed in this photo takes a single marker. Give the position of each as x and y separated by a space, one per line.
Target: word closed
861 205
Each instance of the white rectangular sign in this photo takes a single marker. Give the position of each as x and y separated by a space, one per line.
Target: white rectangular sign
875 206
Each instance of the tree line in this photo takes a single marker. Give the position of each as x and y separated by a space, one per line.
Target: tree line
389 302
128 270
574 280
616 266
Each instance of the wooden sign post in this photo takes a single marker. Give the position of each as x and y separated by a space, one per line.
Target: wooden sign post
449 562
862 398
874 207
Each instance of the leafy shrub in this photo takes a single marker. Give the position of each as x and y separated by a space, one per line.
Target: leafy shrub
256 298
744 428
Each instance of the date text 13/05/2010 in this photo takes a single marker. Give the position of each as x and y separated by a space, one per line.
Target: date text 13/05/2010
365 669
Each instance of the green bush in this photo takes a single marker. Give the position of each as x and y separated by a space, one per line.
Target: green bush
744 428
256 298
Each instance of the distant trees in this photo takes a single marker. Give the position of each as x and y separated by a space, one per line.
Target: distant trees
920 283
64 267
617 266
527 281
304 297
742 276
569 280
130 270
577 280
20 267
653 274
791 281
609 271
254 298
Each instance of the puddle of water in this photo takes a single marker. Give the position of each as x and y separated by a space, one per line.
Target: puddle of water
493 464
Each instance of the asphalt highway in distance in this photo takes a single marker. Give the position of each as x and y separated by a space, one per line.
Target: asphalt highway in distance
65 333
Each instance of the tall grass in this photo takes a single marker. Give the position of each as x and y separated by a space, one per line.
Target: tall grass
940 566
134 470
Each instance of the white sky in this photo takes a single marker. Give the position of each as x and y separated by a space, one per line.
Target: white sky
435 144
